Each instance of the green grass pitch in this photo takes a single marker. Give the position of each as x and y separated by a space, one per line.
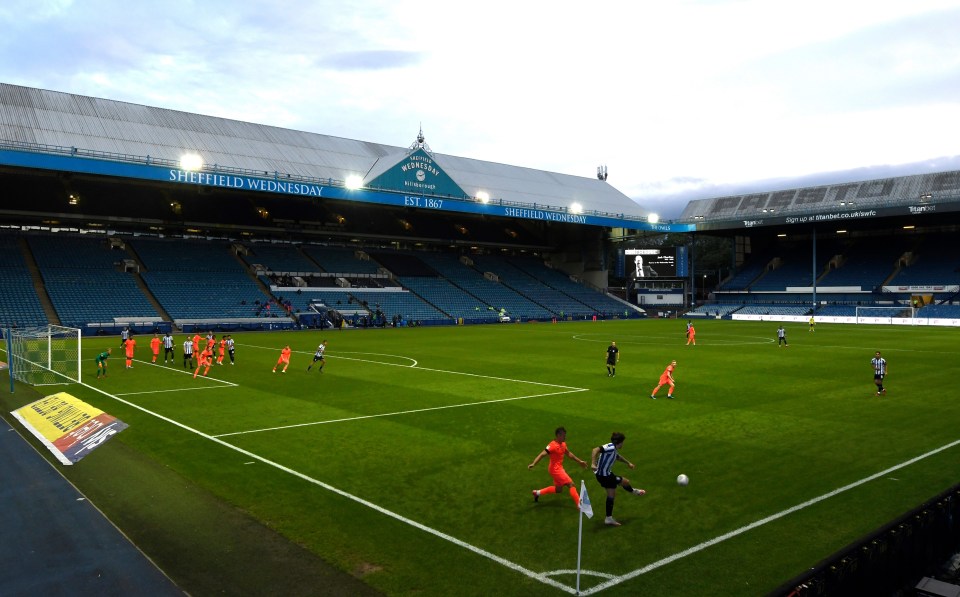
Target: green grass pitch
405 461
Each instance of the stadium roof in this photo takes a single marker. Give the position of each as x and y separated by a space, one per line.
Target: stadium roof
931 196
42 120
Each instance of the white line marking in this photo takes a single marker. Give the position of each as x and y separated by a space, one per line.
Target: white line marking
393 414
761 522
415 366
543 577
175 390
504 562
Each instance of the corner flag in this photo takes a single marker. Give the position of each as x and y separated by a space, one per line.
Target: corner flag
585 506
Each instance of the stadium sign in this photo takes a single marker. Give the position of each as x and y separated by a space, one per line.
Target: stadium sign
836 217
448 198
67 426
418 173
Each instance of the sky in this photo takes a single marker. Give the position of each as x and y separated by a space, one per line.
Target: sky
679 100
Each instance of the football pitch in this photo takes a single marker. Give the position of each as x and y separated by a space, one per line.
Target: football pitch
404 462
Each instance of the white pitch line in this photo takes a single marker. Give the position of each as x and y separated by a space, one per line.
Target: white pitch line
543 577
415 366
472 548
401 412
697 548
174 390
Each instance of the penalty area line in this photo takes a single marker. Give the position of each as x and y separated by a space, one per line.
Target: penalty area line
397 413
176 390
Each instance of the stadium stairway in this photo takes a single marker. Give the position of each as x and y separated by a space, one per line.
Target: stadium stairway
38 285
253 276
142 285
153 300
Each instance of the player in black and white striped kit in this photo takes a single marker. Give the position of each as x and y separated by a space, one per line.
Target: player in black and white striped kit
318 356
231 348
167 348
601 461
879 372
188 353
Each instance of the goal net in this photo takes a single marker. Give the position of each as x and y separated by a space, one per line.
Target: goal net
884 314
45 355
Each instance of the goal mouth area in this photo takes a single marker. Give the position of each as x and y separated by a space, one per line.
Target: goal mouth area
44 355
884 314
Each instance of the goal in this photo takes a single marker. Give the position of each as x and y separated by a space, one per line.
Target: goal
45 355
884 314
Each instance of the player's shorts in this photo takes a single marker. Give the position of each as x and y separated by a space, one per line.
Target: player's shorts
611 361
664 380
561 478
609 481
316 358
878 377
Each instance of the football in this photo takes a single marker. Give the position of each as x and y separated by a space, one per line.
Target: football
682 479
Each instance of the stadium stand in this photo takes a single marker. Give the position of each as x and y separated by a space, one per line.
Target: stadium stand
773 310
940 311
749 272
592 301
197 280
713 310
836 310
340 260
934 262
279 258
400 303
19 304
86 281
441 294
550 302
791 268
866 264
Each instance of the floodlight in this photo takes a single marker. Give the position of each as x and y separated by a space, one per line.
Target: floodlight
191 161
653 218
483 196
353 182
576 208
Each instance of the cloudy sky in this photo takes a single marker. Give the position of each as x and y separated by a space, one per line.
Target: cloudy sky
680 99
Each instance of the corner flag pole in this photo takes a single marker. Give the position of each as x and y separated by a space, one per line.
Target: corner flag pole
585 508
579 544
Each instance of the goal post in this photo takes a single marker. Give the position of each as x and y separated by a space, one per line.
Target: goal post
44 355
884 314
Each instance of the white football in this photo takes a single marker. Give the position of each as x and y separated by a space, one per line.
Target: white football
682 479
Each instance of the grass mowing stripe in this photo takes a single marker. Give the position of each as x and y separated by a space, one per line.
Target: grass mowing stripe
414 366
175 390
753 424
403 412
502 561
544 577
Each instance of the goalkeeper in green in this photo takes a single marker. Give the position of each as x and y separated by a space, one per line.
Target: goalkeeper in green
102 362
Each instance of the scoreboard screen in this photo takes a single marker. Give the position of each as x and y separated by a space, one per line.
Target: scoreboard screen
651 263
